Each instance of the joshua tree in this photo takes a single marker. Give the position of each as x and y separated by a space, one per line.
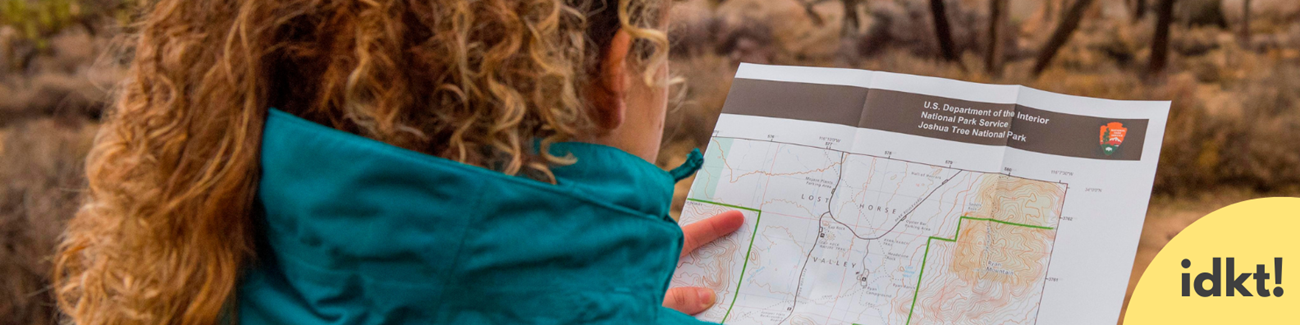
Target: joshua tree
943 31
851 24
849 27
1139 9
1160 43
993 54
1244 37
1061 35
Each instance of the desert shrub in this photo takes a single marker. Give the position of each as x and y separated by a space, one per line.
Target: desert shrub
34 22
54 59
1200 12
1234 121
41 176
1262 149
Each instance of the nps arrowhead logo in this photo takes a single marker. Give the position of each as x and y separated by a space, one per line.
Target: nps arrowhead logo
1112 135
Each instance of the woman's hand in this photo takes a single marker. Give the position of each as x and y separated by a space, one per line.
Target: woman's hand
693 300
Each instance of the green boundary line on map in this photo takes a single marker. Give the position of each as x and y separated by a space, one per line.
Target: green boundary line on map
757 219
723 204
953 240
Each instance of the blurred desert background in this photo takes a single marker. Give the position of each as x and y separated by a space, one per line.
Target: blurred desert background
1231 68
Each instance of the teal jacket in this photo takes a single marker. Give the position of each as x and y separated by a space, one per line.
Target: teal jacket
361 232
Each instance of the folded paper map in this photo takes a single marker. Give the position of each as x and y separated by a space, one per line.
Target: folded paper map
883 198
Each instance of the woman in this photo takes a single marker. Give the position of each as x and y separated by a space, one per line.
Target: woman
385 161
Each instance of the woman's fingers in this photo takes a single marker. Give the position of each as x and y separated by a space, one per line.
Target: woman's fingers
689 300
708 230
693 300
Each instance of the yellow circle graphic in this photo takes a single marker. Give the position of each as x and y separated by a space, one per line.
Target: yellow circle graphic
1229 267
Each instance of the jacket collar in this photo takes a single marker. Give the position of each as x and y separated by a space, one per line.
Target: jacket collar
619 177
601 172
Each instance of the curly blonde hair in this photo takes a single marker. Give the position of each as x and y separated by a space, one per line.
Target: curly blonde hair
168 222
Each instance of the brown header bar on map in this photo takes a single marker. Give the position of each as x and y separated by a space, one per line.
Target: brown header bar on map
1080 135
937 117
796 101
1012 125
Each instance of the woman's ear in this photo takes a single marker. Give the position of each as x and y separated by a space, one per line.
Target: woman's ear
608 97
